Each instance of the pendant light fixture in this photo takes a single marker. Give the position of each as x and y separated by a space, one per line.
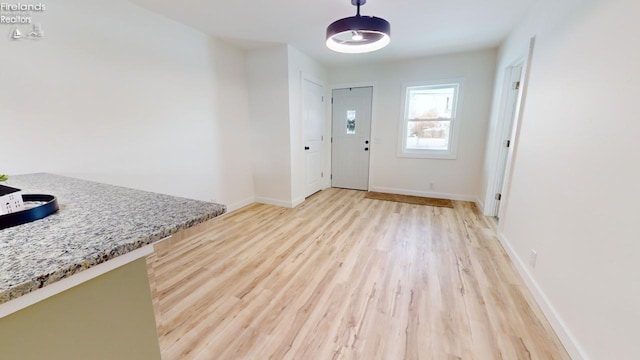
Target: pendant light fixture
358 34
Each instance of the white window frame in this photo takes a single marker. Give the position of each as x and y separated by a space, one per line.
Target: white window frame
456 120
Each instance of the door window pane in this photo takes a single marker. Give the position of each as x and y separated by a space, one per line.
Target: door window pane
351 122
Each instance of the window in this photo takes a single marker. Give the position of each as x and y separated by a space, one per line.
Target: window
351 122
429 122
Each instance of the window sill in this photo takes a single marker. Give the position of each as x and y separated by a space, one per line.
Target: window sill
427 154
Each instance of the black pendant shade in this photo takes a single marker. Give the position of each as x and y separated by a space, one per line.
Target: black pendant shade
358 34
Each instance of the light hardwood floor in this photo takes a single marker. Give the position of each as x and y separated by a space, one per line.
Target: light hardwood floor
343 277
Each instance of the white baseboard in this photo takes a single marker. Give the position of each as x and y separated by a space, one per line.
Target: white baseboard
297 202
480 205
263 200
275 202
564 334
436 195
240 204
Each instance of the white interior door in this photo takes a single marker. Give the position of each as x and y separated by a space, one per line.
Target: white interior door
515 74
351 120
313 125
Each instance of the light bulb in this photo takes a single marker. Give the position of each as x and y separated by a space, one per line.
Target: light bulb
356 36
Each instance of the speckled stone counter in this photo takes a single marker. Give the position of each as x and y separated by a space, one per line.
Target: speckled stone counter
95 223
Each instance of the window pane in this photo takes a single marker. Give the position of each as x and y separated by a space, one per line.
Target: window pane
430 127
351 122
428 135
425 103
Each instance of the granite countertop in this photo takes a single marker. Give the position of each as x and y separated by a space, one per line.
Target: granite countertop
96 222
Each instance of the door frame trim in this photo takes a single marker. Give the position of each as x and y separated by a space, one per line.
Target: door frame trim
490 202
374 98
515 132
502 133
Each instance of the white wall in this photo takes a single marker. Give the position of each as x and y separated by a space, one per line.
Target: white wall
300 66
275 87
574 191
457 179
268 75
117 94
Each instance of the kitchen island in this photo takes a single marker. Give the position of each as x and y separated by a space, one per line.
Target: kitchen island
74 284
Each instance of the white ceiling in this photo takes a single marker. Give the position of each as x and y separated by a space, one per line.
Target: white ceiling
418 27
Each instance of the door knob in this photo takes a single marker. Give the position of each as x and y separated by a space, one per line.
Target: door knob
366 149
306 148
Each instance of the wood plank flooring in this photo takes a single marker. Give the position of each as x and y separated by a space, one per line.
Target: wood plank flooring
343 277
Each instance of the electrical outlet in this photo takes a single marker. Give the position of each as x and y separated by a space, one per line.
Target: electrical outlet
532 258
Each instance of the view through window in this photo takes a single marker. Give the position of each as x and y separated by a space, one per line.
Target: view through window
429 118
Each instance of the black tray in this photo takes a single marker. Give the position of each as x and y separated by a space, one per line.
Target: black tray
49 206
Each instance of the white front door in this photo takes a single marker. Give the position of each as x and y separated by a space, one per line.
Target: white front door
313 128
351 114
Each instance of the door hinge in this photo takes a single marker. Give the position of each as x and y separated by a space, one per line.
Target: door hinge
321 137
322 99
507 143
516 85
331 176
498 196
321 174
331 100
332 139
